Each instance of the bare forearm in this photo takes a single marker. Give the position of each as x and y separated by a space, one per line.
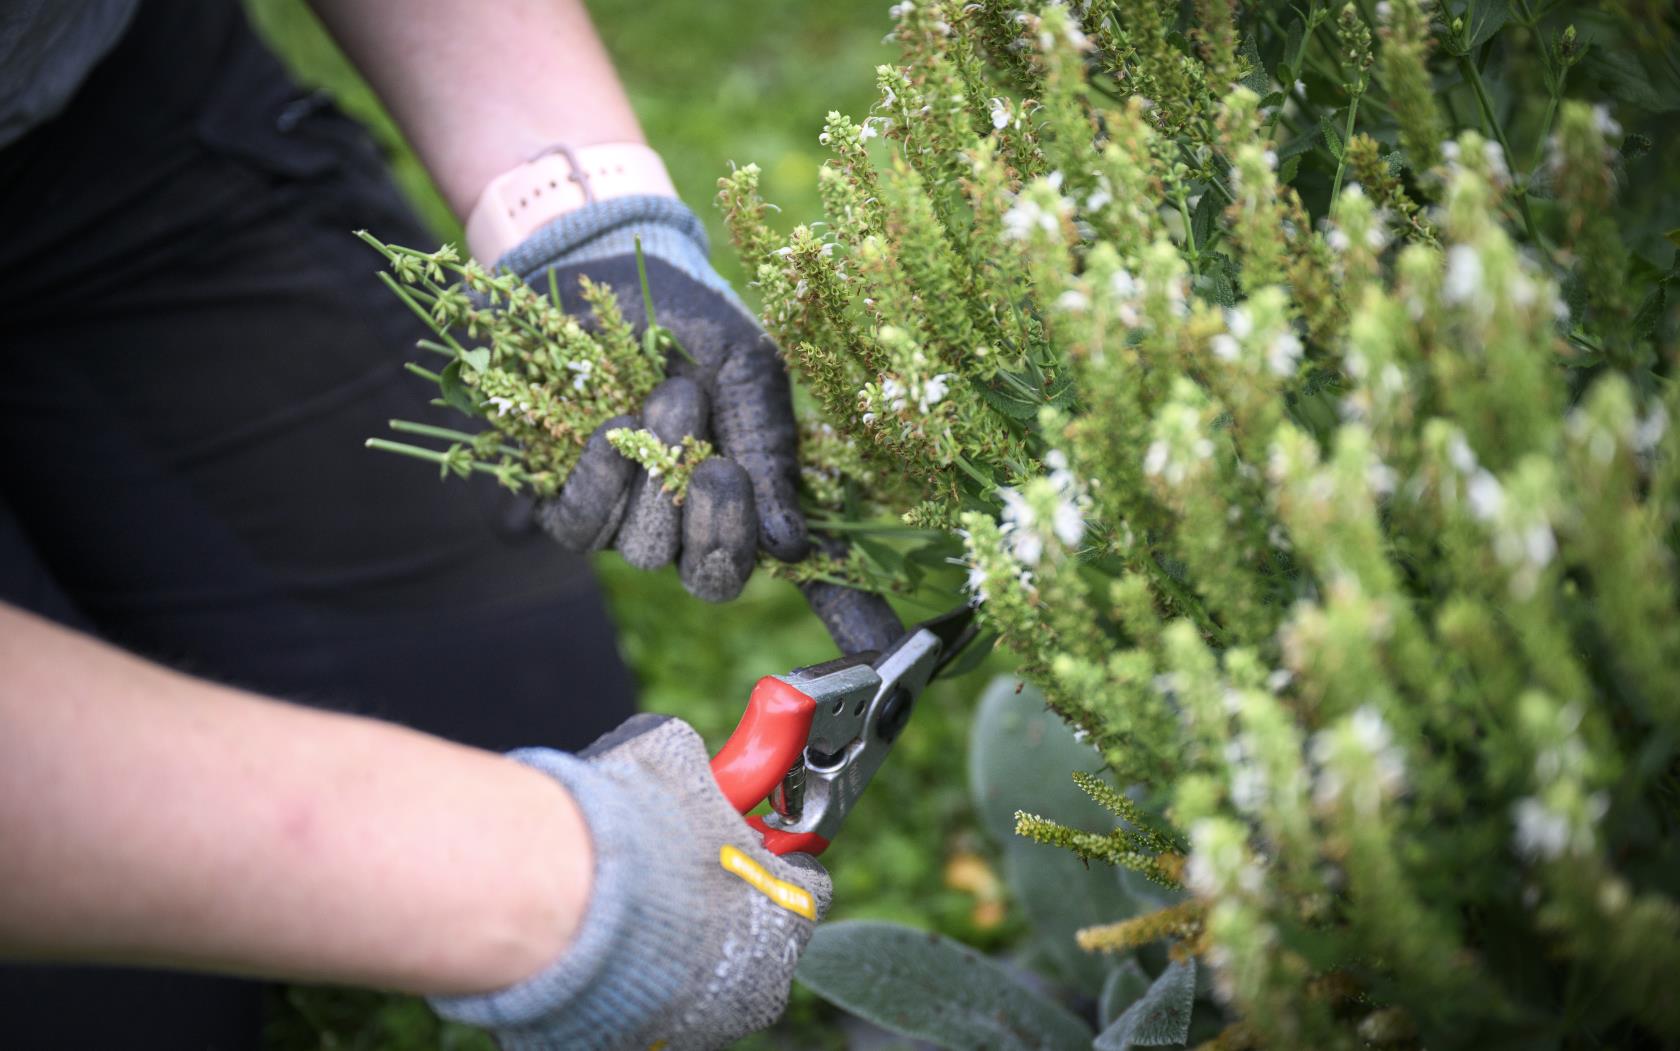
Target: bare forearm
151 818
479 88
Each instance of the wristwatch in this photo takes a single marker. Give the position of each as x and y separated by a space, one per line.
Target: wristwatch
560 179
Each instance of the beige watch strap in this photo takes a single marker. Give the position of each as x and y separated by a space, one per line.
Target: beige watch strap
518 203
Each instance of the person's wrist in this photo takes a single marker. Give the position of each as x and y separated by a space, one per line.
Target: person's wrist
554 181
617 968
556 885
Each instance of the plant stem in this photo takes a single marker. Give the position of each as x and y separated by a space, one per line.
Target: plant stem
1347 135
1189 228
641 275
423 373
420 312
445 433
433 456
840 525
1491 124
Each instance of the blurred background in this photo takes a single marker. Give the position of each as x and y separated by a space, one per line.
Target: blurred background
728 81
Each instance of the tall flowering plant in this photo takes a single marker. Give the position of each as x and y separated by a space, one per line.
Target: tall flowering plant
1295 387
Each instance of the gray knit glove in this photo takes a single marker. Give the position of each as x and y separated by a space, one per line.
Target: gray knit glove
734 393
693 928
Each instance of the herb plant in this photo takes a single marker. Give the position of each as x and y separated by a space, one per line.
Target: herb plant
1297 383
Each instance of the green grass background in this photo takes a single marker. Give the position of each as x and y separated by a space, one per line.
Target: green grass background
714 83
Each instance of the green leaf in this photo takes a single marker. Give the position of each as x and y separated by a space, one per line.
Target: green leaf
1159 1018
1332 137
1256 80
1628 80
928 987
477 359
1008 404
1286 171
1302 143
1287 74
1483 18
883 555
455 393
1203 218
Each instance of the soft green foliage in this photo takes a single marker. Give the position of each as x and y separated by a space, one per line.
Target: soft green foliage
1298 382
925 985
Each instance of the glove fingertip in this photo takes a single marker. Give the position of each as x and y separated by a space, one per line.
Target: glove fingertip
593 501
720 531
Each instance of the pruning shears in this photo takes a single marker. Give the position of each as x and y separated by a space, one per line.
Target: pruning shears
810 740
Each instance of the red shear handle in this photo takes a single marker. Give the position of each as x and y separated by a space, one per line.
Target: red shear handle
766 743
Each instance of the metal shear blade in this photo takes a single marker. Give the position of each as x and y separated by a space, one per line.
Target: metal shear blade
862 705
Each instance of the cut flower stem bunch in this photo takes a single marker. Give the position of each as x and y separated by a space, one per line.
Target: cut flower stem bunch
538 380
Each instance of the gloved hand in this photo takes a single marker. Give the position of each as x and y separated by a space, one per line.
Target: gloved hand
692 929
734 393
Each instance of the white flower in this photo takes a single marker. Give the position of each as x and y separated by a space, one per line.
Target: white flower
1464 275
1225 347
1380 478
1651 429
1362 742
1000 114
503 405
1283 353
893 391
1073 301
1605 123
1460 454
1020 527
1487 496
581 371
1067 523
1155 459
1052 506
933 391
1540 833
1024 216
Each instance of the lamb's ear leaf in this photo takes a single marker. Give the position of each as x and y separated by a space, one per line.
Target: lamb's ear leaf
928 987
1125 985
1021 756
1158 1018
1060 895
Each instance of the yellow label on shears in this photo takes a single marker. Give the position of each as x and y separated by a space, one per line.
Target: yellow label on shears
790 896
